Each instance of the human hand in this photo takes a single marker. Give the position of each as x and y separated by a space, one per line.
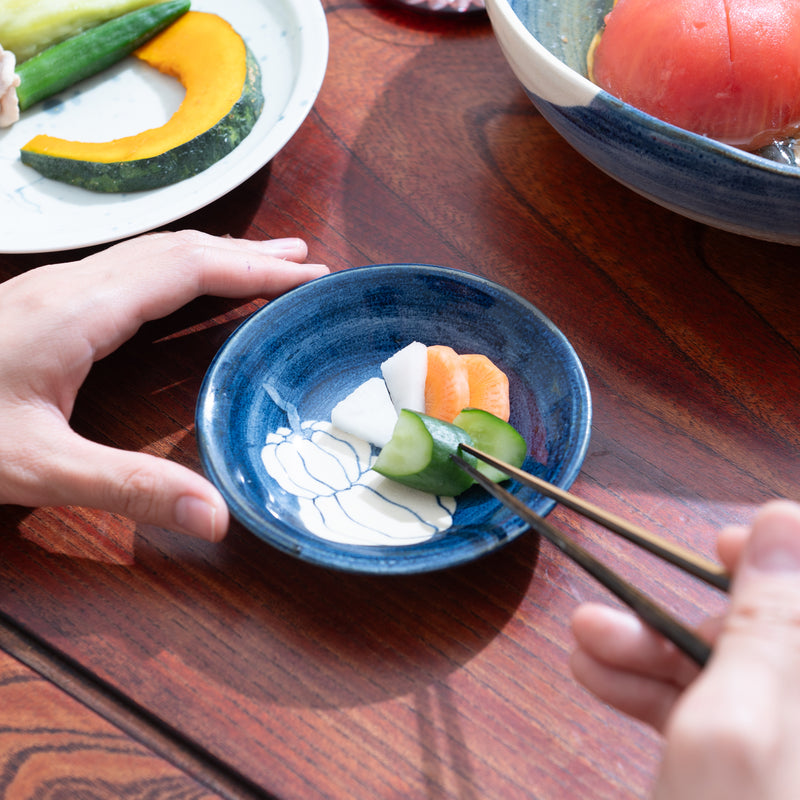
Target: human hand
58 320
731 731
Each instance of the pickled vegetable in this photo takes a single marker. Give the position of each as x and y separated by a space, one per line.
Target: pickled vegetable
418 455
494 436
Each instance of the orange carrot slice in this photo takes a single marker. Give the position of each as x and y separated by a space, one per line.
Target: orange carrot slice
488 385
446 384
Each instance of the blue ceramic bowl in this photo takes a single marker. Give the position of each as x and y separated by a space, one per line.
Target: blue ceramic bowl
297 356
546 43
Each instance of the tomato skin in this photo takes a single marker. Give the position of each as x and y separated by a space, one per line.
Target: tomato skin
726 69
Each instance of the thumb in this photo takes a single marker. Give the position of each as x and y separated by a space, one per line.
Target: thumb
144 487
756 655
737 725
765 600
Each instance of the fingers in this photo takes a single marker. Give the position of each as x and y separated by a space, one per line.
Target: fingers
628 665
43 462
730 545
763 623
646 699
143 487
59 319
619 638
738 722
228 267
163 272
151 276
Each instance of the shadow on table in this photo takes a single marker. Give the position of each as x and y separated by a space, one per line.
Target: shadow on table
241 614
677 324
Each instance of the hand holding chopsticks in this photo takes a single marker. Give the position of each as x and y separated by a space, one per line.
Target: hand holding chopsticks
659 619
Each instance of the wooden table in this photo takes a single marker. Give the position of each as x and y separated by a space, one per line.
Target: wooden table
139 663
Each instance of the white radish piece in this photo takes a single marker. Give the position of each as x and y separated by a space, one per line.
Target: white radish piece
405 373
367 412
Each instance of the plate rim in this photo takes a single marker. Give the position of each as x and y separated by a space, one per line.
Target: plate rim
314 45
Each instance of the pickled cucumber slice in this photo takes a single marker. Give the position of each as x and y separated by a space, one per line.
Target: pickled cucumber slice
418 455
493 436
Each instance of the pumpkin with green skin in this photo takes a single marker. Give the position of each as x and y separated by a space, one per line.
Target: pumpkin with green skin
191 141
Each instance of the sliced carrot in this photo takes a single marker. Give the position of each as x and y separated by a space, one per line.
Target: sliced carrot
446 384
488 385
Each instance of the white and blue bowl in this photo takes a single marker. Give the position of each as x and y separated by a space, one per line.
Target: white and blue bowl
303 352
546 42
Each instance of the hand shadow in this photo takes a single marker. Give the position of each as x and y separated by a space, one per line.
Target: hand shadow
280 630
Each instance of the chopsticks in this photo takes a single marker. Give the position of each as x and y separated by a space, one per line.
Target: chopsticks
689 562
659 619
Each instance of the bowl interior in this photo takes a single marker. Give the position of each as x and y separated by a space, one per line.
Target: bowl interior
546 44
565 28
294 359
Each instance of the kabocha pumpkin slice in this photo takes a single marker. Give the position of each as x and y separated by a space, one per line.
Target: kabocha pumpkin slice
222 104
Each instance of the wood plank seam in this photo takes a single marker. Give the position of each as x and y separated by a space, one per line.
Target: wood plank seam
121 711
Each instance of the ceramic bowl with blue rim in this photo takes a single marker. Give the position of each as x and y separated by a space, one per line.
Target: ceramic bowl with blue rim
546 43
307 488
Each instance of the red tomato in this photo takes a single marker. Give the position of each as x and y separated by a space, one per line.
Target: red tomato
727 69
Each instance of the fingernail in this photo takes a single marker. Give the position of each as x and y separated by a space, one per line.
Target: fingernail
278 247
197 517
774 544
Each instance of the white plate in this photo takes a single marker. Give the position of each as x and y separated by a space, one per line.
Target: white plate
290 40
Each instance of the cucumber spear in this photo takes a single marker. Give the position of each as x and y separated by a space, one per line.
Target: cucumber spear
92 51
29 26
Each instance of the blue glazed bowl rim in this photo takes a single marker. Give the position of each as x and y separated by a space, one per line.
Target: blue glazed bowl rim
379 559
646 121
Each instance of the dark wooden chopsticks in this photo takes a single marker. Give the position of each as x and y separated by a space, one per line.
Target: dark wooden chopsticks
655 616
689 562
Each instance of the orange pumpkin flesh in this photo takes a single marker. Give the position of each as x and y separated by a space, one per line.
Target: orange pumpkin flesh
222 103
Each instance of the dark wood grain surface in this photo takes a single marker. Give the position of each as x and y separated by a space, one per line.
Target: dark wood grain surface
234 670
53 746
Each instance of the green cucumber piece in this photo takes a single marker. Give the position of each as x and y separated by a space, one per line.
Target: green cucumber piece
92 51
494 436
418 455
